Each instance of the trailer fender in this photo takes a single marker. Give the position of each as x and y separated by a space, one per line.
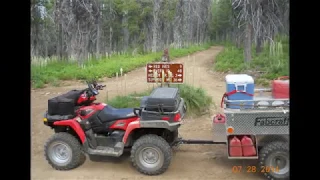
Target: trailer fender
262 140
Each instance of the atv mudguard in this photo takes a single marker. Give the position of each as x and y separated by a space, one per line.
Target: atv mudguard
149 124
72 123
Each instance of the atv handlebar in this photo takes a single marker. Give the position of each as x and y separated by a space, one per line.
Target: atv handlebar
94 87
100 87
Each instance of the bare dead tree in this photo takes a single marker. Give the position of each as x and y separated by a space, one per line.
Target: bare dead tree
77 20
100 27
262 19
155 24
178 22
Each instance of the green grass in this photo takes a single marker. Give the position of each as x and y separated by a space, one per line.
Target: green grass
273 61
196 99
106 67
129 101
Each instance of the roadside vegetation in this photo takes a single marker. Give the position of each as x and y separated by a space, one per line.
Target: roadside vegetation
197 100
45 71
255 37
271 63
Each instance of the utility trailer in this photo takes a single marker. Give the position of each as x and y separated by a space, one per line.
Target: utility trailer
259 129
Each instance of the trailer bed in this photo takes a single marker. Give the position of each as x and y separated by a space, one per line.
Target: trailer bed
266 116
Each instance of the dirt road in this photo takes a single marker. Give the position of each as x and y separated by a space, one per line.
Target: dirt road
189 161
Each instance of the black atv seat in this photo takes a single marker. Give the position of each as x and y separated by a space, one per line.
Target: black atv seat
110 113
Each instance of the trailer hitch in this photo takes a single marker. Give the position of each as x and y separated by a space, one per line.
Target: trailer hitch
180 141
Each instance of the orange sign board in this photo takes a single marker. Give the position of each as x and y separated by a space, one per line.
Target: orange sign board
165 72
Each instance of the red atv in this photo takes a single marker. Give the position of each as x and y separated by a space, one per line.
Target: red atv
83 127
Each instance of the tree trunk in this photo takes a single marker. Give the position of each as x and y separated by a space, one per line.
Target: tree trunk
60 41
217 36
155 24
259 45
238 39
154 34
98 42
198 31
110 30
110 41
238 43
248 42
125 31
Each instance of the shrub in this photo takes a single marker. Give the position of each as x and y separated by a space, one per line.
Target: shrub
196 99
273 61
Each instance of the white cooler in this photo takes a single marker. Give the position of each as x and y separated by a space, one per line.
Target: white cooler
240 87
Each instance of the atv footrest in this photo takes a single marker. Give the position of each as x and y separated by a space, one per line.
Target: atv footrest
115 151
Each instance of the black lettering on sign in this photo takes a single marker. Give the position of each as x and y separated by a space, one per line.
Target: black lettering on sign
272 121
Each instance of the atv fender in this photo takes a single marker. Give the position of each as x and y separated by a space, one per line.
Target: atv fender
160 124
149 124
131 126
75 126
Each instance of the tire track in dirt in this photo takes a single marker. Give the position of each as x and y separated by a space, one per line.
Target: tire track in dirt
189 161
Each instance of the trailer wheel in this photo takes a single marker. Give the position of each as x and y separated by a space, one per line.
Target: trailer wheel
63 151
274 160
151 155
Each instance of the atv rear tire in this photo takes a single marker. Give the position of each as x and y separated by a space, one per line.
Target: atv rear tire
67 144
150 148
274 160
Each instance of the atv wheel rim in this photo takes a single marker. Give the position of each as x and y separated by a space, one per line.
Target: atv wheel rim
278 164
150 157
60 153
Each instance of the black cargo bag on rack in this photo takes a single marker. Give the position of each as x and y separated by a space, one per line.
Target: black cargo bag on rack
64 104
164 99
73 94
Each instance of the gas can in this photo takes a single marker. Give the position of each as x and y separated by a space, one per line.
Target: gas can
235 149
280 88
248 147
219 118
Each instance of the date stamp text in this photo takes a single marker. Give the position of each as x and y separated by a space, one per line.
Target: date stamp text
254 169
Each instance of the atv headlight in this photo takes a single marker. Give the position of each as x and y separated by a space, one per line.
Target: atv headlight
45 119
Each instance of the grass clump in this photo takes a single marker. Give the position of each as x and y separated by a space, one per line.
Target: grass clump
273 61
196 99
53 70
129 101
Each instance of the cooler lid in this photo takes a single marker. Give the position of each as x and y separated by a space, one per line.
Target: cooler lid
239 79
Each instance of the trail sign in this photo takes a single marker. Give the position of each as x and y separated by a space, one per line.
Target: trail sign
165 72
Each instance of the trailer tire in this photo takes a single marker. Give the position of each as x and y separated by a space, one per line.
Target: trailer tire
274 160
158 149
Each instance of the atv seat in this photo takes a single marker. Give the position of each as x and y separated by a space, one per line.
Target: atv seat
110 113
52 118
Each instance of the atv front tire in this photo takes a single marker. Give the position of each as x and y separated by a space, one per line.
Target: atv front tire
274 161
151 155
63 151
